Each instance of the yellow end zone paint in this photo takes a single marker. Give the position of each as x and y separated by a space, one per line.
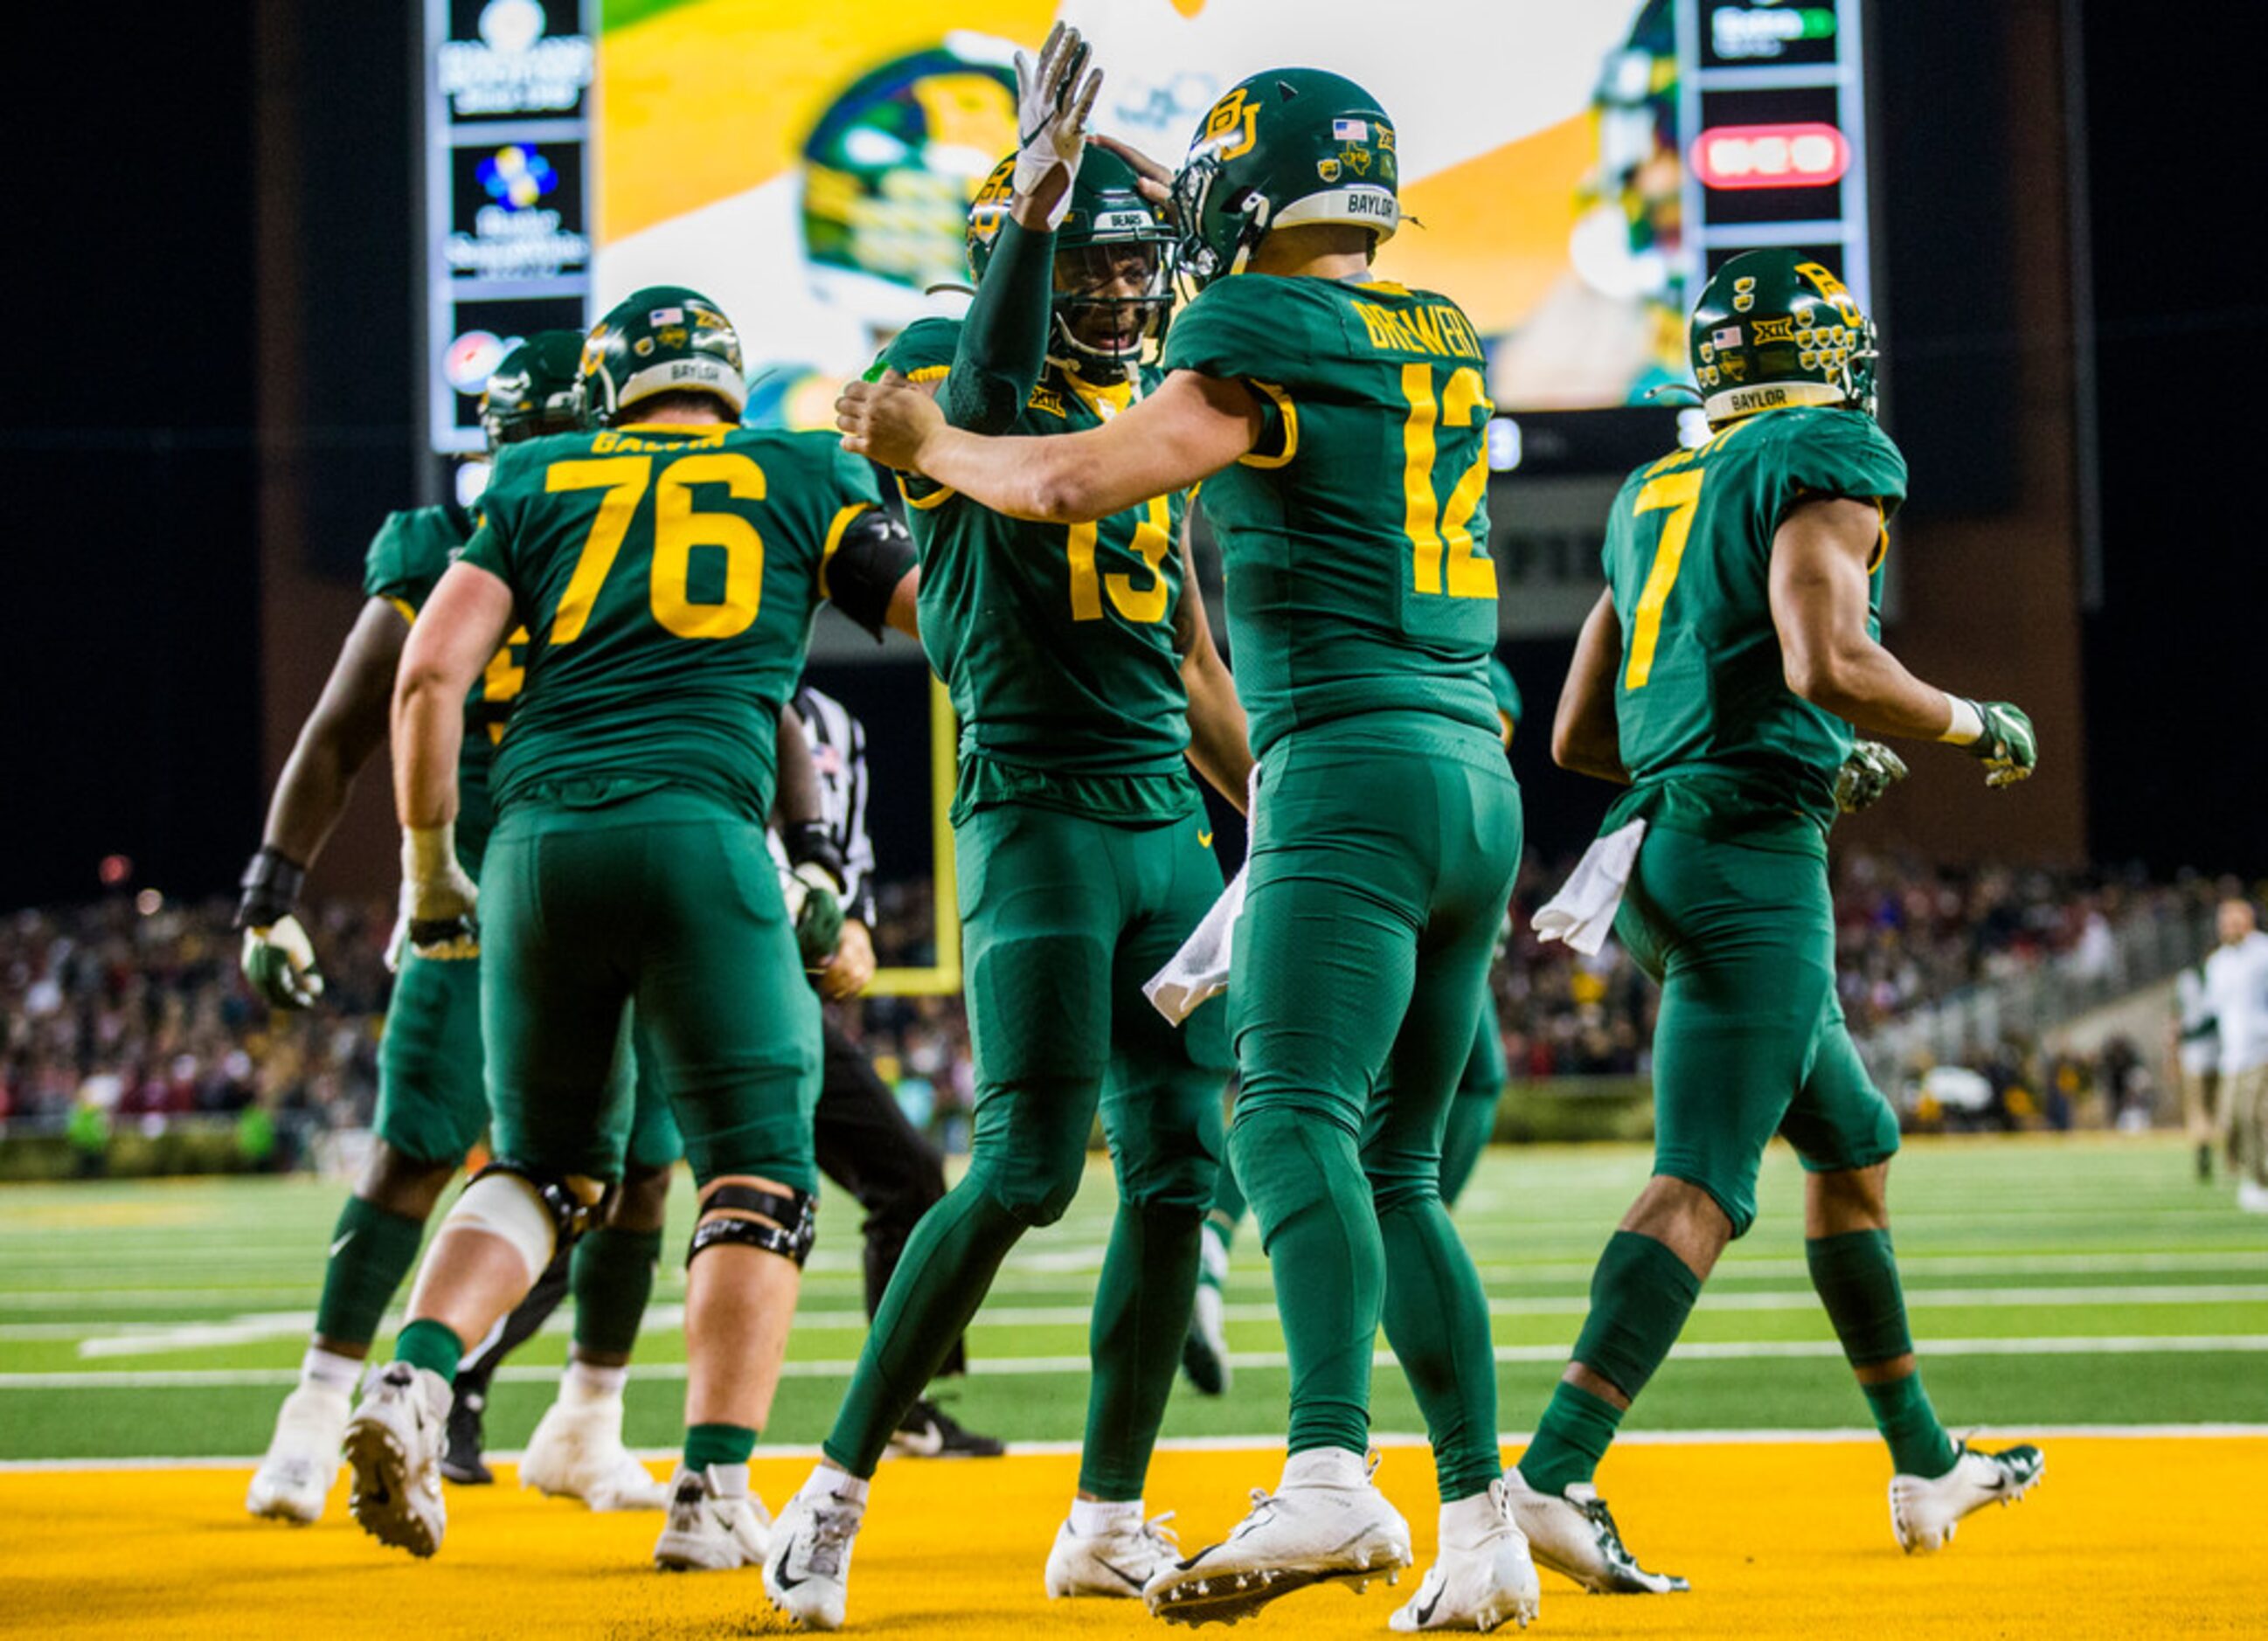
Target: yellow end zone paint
2125 1536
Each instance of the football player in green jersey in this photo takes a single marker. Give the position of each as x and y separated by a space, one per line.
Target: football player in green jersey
667 568
1472 1118
1720 677
432 1106
1337 423
1086 682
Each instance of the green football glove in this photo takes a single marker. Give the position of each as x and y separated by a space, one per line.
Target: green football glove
2008 749
815 906
1870 771
441 899
279 960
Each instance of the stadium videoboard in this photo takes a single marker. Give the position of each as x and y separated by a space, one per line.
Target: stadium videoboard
1572 166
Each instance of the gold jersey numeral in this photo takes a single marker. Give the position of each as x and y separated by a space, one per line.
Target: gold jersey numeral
1143 605
678 529
1680 495
1441 535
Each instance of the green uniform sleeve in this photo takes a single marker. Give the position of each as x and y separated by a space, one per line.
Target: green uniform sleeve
924 351
501 507
1233 333
1844 453
387 571
1004 339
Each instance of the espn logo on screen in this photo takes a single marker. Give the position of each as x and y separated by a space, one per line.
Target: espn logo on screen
1796 156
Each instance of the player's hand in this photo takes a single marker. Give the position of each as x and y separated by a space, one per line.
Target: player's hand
441 899
2008 748
1869 772
852 966
1053 98
889 421
1154 182
279 960
814 908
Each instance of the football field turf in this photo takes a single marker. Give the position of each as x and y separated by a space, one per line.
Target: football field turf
2053 1283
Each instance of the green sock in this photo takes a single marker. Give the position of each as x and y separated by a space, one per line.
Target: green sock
1573 1436
1917 1442
612 1277
1437 1318
1141 1316
942 1277
1641 1294
432 1344
1856 1276
372 1251
1320 1231
718 1444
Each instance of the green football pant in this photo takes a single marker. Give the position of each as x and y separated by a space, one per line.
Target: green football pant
670 902
1472 1113
1750 1039
1064 918
433 1093
1361 957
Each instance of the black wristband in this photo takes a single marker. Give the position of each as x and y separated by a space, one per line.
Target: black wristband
808 843
271 886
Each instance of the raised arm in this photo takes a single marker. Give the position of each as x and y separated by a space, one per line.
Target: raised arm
346 727
1220 744
1819 562
463 626
1585 737
1191 428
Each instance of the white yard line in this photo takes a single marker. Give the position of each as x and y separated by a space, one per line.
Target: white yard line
98 1340
1733 1350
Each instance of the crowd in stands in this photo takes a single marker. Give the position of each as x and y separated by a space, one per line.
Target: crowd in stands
136 1008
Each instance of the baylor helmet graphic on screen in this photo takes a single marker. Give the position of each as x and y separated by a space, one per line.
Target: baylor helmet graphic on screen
1282 148
1775 328
890 168
664 339
537 388
1107 216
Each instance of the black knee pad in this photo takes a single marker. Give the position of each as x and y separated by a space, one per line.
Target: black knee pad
571 1215
795 1211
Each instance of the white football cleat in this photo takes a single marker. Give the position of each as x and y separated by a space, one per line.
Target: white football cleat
394 1443
1924 1511
1480 1578
1293 1537
1574 1534
2252 1196
302 1456
1119 1561
577 1451
808 1570
715 1522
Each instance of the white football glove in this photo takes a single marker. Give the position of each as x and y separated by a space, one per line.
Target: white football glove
1051 108
441 899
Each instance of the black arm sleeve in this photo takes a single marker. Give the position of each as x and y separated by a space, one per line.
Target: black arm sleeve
864 570
1004 339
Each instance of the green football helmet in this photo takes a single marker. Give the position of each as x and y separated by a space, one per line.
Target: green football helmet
1773 329
664 339
536 388
1282 148
1108 221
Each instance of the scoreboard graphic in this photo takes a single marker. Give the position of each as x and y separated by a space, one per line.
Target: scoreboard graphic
1574 168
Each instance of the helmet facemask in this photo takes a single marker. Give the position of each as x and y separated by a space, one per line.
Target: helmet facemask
1112 297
